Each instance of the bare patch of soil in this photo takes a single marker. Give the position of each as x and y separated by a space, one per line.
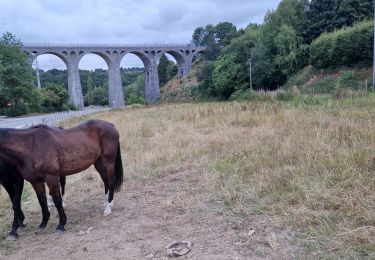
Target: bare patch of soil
146 217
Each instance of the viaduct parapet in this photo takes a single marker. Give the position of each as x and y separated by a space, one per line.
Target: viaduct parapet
71 54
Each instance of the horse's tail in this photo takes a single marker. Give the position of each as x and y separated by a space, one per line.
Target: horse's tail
119 173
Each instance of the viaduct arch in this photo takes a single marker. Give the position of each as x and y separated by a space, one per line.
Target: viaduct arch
71 54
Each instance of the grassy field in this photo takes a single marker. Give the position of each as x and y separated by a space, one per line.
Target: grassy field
309 167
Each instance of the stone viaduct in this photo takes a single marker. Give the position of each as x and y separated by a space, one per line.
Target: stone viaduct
71 54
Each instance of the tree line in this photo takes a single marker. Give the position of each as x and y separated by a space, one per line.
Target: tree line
324 33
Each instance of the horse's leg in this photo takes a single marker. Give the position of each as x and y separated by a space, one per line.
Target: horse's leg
40 191
110 169
21 216
54 187
18 188
101 169
11 190
62 185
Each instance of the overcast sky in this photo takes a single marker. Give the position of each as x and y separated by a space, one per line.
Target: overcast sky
120 21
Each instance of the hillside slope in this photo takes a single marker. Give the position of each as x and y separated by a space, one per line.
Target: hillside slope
179 89
314 81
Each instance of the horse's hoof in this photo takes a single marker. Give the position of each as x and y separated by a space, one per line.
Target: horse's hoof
11 237
107 213
22 225
107 210
60 228
60 232
40 230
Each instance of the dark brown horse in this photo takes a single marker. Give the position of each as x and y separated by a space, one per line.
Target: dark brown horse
43 155
13 183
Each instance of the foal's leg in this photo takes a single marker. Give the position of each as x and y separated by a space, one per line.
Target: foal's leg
40 191
54 187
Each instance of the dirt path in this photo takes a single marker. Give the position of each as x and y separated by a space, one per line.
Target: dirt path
147 217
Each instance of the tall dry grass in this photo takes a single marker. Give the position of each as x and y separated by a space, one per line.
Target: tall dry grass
310 167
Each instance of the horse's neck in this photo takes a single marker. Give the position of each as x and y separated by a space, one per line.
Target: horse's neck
13 147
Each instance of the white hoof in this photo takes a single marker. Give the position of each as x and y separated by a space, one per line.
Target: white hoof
108 209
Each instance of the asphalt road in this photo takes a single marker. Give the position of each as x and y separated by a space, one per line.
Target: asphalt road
49 119
19 122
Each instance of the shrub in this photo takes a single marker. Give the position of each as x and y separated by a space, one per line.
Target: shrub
284 95
345 84
345 47
18 110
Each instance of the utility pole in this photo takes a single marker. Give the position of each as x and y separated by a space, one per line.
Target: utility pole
37 73
373 61
250 72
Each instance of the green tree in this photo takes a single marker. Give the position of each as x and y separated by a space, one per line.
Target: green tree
224 33
230 70
214 38
53 76
134 93
90 88
163 69
166 70
54 97
204 88
172 70
97 96
226 72
287 43
100 96
198 36
16 74
328 15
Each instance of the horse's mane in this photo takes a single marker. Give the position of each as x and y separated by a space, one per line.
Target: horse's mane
4 131
40 126
45 127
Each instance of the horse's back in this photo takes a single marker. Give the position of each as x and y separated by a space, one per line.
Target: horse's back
100 124
104 129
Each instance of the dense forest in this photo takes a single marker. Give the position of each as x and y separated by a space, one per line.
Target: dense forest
329 33
299 33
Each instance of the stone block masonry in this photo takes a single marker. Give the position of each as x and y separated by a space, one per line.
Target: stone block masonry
71 54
